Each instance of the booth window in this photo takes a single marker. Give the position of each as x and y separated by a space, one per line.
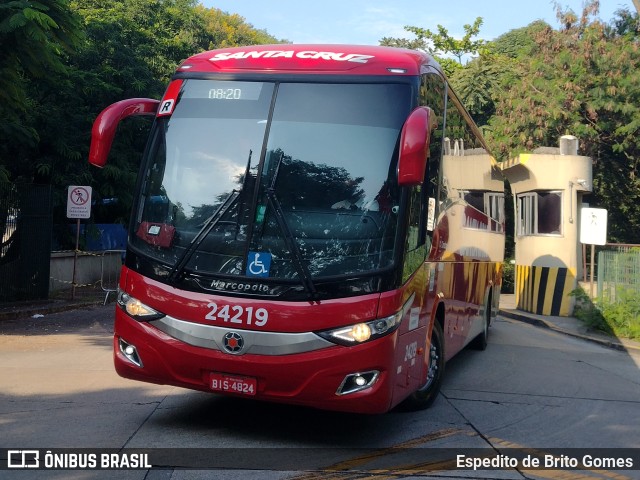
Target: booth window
490 204
539 213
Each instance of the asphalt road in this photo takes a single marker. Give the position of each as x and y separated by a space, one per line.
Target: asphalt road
532 389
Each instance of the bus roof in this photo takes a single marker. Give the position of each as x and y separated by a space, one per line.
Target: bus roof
311 59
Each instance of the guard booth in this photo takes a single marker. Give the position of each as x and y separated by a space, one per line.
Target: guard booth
548 186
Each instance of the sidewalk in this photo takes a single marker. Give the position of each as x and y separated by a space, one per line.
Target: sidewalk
60 301
566 325
91 296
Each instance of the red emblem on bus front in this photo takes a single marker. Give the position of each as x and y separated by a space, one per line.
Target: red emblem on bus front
233 342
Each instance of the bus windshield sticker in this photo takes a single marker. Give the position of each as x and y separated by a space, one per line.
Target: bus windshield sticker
170 97
258 264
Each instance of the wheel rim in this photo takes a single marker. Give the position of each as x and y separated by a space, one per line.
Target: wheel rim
432 373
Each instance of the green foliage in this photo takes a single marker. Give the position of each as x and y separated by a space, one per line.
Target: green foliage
410 43
623 314
4 174
35 39
619 317
508 276
532 85
586 311
231 30
478 86
516 43
484 80
444 43
580 80
440 44
63 61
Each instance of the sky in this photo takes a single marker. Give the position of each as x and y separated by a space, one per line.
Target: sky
365 22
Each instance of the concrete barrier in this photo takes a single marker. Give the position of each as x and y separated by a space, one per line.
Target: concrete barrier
92 268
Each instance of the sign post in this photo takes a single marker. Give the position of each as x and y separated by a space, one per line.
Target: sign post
78 206
593 231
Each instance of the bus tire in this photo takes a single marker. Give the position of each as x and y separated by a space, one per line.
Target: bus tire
480 342
426 395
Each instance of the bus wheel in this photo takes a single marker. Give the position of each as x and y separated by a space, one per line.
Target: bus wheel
480 342
425 396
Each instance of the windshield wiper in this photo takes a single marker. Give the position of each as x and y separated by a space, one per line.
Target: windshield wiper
208 225
296 255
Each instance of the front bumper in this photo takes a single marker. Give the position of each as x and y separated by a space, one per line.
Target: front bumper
303 369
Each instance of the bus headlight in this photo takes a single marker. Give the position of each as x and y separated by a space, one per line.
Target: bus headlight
363 332
136 309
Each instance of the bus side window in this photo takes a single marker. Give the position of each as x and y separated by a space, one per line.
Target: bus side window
432 95
423 207
415 244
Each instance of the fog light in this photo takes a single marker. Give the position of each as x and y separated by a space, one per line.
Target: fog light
356 382
130 352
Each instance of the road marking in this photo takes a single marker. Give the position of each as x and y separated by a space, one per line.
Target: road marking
557 474
352 469
341 470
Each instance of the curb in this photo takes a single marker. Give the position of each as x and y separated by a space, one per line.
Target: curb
538 322
46 309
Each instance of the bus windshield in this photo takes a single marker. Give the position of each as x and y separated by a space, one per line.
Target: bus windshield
288 181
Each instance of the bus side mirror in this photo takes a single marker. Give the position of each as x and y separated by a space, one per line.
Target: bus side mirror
105 125
414 146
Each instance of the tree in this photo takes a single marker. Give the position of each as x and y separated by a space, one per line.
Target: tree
517 43
446 44
133 48
581 80
441 44
484 79
478 87
35 38
231 30
63 61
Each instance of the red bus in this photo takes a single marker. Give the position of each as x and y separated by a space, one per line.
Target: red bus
319 225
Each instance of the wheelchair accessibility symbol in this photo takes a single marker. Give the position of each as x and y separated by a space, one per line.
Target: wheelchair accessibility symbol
258 264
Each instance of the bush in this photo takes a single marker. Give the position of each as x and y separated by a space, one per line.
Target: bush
623 315
620 317
508 277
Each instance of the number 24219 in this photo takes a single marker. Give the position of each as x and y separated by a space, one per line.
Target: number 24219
238 314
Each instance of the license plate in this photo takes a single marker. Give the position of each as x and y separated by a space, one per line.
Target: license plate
234 384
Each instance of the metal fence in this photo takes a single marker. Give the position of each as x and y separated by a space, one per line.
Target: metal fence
25 231
111 265
618 271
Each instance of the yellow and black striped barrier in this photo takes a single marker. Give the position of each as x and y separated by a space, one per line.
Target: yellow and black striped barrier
545 290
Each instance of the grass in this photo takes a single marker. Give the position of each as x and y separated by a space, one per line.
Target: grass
619 316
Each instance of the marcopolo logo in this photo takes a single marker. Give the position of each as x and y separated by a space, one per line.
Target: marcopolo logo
239 286
23 459
233 342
